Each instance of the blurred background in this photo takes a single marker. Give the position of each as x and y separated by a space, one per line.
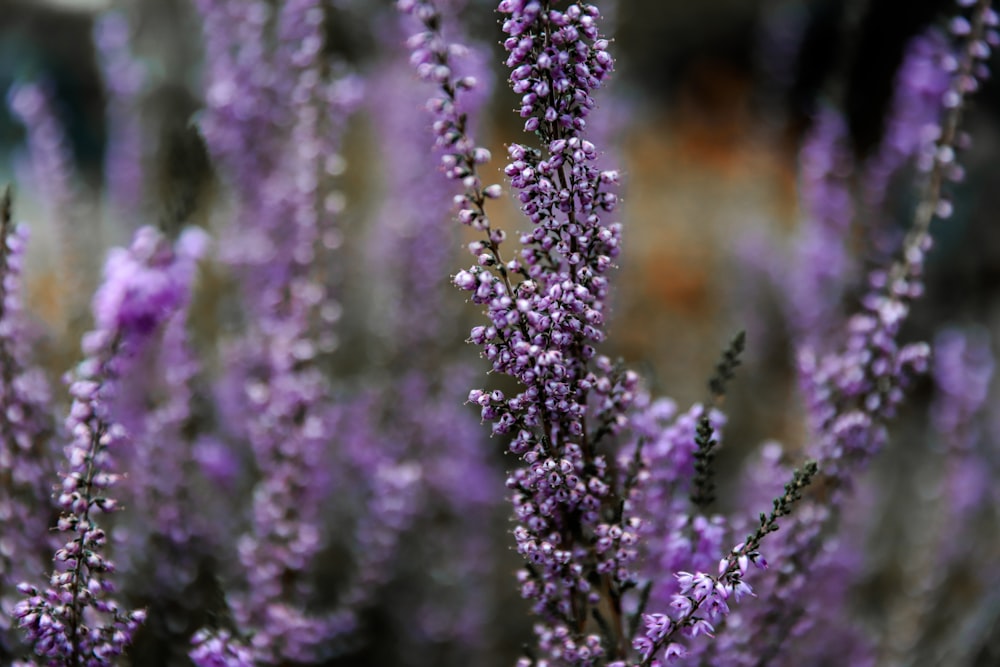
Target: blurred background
706 114
715 97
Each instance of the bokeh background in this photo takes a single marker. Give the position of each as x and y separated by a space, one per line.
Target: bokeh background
708 110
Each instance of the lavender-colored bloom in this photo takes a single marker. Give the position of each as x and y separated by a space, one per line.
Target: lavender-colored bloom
124 81
675 537
424 427
800 613
821 262
288 433
851 392
412 239
277 158
546 311
166 534
703 599
921 83
963 369
25 433
577 516
76 620
950 544
546 306
50 160
273 124
447 609
238 81
218 649
140 283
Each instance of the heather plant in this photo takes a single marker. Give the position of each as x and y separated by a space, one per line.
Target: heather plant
26 460
125 78
75 620
578 515
545 307
272 455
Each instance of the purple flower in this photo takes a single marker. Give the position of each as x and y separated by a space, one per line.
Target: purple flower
124 80
219 649
411 239
821 266
140 286
50 159
963 369
25 434
75 620
273 122
920 84
546 304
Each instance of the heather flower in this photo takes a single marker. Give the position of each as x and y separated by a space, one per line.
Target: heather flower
545 306
411 237
422 426
852 392
446 609
355 504
963 369
821 261
239 107
76 620
48 168
703 599
50 162
165 537
577 520
26 428
278 159
921 82
219 650
951 543
675 537
124 81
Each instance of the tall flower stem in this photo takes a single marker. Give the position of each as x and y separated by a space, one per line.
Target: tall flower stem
143 286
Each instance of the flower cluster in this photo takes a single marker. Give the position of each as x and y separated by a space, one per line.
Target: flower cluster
578 523
125 79
299 463
75 620
25 475
703 599
854 386
274 248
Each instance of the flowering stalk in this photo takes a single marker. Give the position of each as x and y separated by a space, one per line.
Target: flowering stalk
946 547
49 168
852 392
423 425
577 520
277 158
703 486
25 434
50 159
701 593
546 309
75 622
165 536
921 82
124 81
815 280
675 535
